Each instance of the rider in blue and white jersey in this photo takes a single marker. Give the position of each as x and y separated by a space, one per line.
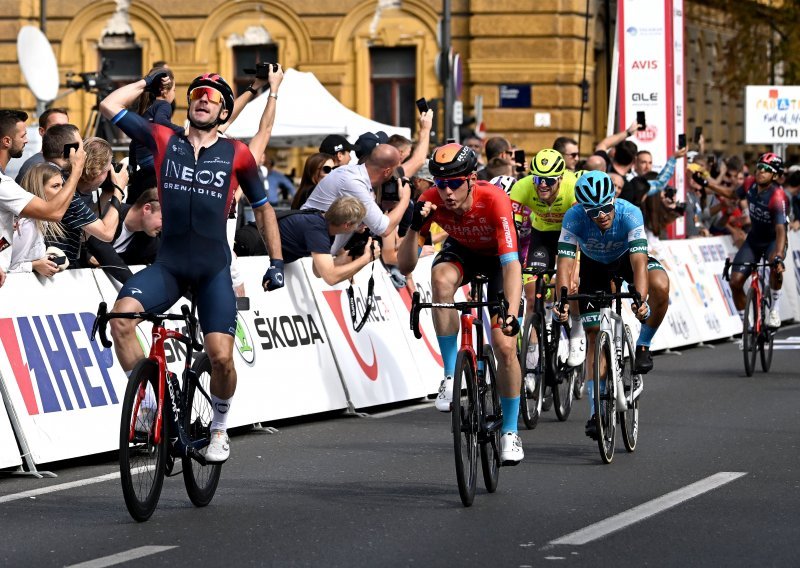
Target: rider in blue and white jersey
610 233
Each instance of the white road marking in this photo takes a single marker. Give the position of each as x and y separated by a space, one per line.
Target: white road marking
64 486
121 557
646 510
403 410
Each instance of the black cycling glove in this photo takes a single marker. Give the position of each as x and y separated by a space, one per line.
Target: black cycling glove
513 322
274 274
417 220
153 83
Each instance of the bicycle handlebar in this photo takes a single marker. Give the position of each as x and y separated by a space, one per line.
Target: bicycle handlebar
726 271
417 306
537 271
601 296
103 316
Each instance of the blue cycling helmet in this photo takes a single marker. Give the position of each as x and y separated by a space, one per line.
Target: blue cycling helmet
594 189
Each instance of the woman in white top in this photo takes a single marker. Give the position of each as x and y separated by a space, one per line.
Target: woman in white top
28 248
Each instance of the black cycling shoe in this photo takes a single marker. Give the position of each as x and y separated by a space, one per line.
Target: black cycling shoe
591 428
644 361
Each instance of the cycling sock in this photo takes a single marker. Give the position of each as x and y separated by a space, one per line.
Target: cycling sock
776 294
590 394
221 407
448 345
510 408
646 335
576 327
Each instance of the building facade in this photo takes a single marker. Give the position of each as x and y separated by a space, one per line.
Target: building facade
377 56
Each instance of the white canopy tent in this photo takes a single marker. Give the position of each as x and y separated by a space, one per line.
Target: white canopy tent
306 114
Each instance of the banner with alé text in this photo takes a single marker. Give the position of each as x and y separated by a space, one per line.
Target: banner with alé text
651 79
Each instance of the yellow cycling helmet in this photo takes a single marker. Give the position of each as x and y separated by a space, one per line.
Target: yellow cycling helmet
548 163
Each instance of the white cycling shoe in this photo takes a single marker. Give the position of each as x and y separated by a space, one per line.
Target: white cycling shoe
577 351
219 448
445 396
774 319
511 452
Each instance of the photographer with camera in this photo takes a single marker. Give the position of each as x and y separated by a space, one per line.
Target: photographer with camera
311 233
362 181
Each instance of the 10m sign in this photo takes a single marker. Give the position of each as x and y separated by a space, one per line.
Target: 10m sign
783 132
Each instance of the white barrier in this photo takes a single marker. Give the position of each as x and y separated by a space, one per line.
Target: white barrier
65 389
295 349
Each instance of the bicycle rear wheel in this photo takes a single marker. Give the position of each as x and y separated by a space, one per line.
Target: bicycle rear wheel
629 419
492 415
465 413
749 333
200 480
141 460
532 378
767 336
605 402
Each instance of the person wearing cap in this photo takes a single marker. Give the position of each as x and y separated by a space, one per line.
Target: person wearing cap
338 147
361 181
199 172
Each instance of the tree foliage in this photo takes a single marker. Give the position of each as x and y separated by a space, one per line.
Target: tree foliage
765 43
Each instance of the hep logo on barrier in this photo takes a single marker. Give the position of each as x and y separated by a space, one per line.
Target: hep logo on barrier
52 357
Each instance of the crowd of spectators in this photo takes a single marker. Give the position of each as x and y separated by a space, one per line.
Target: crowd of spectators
113 218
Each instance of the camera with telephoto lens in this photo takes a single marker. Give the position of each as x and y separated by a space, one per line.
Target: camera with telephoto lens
262 70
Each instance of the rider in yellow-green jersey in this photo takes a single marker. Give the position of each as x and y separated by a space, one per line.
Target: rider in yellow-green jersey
539 202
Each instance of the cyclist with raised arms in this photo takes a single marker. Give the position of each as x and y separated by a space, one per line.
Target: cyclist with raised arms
540 202
610 233
482 240
768 204
198 174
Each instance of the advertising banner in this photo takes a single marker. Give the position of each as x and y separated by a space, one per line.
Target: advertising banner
377 365
65 389
9 453
772 114
651 78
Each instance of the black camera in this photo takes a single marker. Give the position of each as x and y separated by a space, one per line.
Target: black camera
390 189
669 192
262 70
680 207
97 82
357 242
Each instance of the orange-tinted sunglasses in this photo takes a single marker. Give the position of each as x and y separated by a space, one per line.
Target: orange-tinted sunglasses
213 95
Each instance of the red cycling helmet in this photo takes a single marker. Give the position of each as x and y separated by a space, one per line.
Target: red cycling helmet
772 160
217 83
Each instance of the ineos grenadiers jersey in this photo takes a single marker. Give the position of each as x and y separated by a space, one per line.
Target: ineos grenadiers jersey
195 195
486 229
767 209
626 234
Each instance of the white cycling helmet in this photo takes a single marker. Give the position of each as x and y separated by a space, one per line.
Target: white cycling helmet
504 182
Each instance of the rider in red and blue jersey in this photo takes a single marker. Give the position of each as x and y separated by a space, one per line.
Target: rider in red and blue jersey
482 240
198 174
768 205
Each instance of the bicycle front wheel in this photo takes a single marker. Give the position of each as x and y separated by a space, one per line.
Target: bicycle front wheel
767 336
492 421
464 415
749 333
200 480
629 419
605 402
142 461
565 384
532 374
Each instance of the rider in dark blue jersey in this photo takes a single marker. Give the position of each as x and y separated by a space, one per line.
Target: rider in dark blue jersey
198 174
767 206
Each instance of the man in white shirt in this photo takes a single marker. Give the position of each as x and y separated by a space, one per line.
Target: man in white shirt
360 181
15 201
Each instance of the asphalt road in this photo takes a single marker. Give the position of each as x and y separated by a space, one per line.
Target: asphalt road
715 481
